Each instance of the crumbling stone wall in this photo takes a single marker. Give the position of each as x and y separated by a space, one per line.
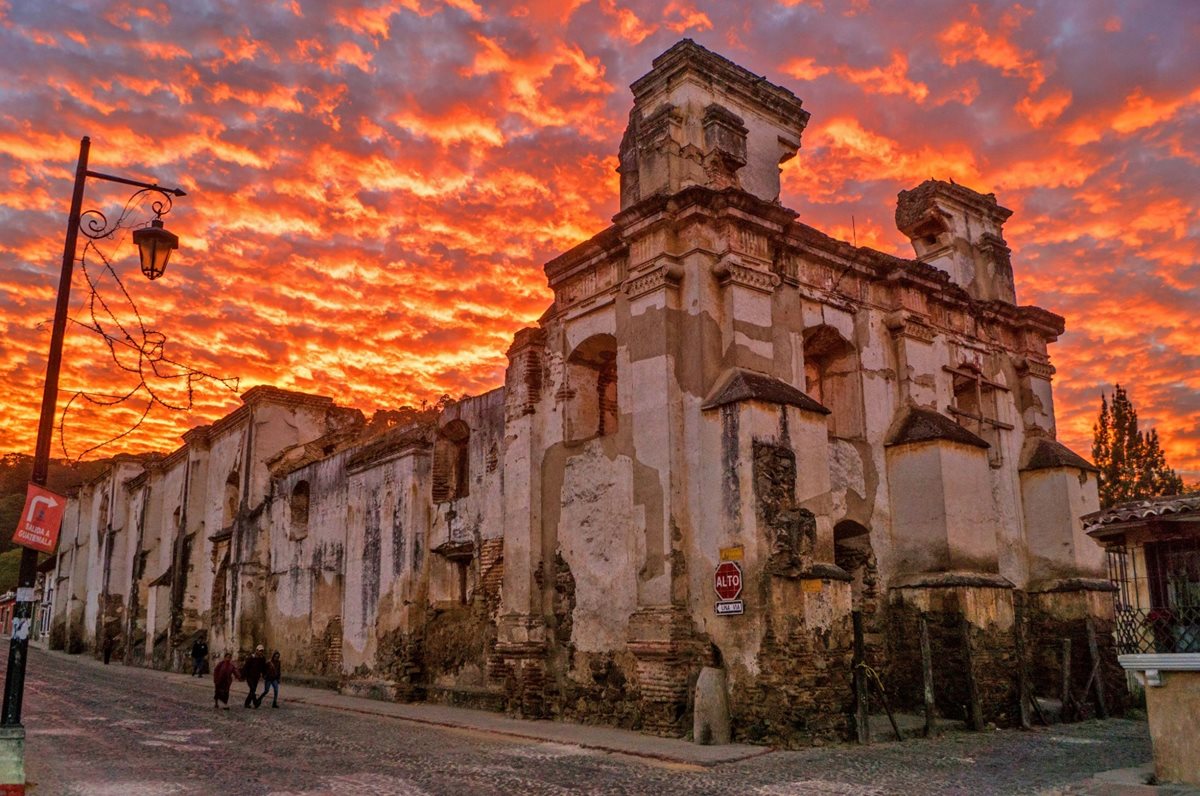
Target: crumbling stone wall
1053 616
802 694
588 687
987 614
791 530
400 663
455 646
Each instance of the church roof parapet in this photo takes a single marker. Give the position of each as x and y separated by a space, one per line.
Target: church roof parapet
266 393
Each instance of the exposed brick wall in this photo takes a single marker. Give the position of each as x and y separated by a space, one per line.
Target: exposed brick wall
491 573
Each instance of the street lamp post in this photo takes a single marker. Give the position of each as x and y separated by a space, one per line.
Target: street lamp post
155 245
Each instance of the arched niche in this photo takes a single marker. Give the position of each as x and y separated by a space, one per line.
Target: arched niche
831 377
232 499
592 408
298 507
451 462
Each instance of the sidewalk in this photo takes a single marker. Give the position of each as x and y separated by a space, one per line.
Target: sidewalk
605 739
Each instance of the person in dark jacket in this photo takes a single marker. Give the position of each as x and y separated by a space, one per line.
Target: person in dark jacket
199 656
271 679
252 671
224 674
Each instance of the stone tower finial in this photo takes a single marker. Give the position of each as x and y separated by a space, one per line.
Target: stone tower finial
959 231
700 119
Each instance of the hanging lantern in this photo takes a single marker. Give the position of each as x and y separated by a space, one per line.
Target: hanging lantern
154 245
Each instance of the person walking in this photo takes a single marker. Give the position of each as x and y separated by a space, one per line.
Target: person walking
199 656
252 671
109 644
224 674
271 679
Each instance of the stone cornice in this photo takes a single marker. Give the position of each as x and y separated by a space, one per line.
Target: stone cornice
227 422
267 394
607 243
198 436
393 445
1035 368
903 324
174 457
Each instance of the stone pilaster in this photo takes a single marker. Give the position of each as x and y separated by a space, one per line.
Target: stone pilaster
664 645
518 664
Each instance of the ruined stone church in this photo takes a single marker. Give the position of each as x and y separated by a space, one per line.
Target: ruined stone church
714 381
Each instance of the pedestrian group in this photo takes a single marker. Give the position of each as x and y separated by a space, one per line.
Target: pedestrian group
254 669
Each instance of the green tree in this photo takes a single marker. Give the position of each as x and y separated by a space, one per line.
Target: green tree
1131 462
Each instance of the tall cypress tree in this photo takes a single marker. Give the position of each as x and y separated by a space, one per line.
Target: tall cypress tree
1131 462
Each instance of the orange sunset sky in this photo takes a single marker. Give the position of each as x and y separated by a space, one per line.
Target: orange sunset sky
373 187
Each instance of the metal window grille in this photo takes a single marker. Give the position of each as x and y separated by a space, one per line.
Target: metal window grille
1158 596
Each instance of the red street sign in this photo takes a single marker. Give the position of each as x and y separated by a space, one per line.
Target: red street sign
38 526
728 580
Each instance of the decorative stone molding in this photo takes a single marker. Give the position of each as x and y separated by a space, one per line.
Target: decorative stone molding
1036 369
668 275
597 279
902 324
728 273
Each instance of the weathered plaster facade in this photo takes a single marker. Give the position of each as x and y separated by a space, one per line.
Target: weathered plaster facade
865 432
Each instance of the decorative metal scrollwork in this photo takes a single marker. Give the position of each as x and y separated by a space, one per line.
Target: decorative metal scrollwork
95 225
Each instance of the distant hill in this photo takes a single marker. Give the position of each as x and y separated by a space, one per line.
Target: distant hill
15 471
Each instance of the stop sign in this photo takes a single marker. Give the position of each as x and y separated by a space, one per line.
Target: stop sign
728 580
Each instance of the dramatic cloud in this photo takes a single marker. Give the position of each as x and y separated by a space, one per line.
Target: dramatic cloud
373 185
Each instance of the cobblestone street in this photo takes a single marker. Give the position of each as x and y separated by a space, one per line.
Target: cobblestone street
114 730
